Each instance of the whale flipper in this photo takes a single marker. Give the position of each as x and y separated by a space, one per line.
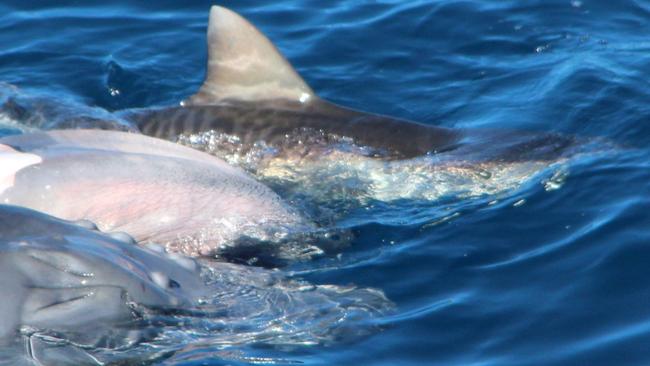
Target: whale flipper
244 65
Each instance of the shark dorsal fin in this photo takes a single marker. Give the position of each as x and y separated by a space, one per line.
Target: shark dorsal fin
244 65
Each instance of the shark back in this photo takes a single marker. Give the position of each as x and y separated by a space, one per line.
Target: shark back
252 93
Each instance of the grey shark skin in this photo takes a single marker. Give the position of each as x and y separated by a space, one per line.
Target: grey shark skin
155 190
272 121
59 276
252 92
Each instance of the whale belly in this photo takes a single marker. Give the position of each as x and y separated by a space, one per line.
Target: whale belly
195 206
12 161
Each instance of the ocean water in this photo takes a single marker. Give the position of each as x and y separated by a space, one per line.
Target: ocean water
551 271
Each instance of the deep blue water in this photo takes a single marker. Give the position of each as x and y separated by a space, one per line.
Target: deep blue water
540 277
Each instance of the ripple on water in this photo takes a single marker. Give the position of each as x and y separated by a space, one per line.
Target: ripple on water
560 279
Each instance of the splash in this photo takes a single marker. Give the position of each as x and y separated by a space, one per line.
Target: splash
327 170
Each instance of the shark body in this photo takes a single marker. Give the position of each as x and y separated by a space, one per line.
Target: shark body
253 93
255 111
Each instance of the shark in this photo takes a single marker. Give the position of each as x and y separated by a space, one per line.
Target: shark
253 93
157 191
255 111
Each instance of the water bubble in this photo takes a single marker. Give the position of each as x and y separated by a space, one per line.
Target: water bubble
556 181
441 221
484 173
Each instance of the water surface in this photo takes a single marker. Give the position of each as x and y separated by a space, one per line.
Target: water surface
537 275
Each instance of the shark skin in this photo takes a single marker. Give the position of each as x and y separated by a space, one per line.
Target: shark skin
157 191
252 92
272 121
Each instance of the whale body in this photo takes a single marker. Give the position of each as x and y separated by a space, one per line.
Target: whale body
63 276
156 191
73 295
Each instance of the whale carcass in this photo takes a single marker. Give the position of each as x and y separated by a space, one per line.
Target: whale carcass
157 191
73 295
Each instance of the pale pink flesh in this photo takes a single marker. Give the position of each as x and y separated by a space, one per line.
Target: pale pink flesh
152 189
11 161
